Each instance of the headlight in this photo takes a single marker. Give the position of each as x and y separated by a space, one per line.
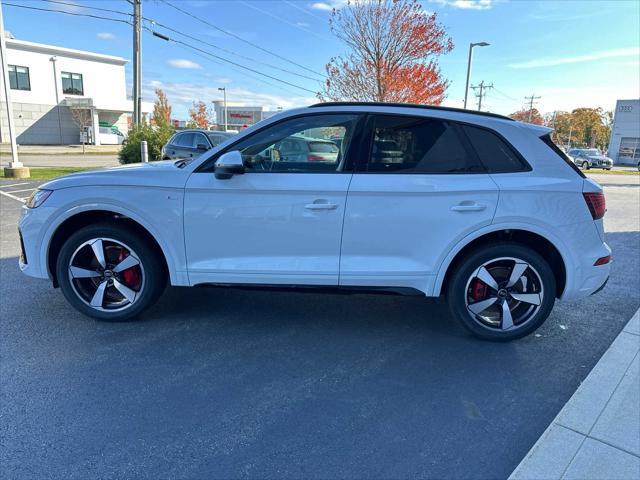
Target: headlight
37 198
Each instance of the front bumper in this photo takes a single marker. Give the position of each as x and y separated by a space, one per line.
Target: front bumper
31 230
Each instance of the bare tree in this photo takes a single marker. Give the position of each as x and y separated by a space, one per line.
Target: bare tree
82 117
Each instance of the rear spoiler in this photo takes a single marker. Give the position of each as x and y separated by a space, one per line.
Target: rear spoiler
538 130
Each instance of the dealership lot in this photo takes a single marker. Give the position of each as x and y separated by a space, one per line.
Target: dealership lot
233 383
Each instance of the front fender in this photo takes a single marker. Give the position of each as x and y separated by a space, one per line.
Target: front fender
162 218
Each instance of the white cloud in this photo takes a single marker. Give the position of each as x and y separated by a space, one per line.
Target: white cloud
466 4
182 95
105 36
183 63
328 5
554 61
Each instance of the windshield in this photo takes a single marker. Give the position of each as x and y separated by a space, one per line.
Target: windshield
323 147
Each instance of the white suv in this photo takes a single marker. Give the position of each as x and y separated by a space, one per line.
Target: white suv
419 200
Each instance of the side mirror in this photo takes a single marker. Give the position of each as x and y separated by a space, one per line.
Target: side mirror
202 147
228 165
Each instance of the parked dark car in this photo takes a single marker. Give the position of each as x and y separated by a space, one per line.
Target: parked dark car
587 158
191 143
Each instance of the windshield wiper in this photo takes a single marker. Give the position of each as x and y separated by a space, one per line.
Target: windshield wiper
181 163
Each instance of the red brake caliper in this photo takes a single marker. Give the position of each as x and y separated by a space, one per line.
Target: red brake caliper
478 289
130 275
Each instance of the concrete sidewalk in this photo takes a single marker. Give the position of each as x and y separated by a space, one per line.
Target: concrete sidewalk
49 150
597 433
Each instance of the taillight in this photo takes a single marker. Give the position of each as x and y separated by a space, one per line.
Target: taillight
602 261
314 158
596 203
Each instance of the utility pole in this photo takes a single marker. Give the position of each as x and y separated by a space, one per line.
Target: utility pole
531 102
15 169
137 64
482 93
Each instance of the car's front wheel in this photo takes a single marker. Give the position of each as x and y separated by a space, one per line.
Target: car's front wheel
109 273
502 292
585 165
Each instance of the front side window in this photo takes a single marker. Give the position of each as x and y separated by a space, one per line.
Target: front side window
185 140
289 146
494 153
19 78
417 145
200 139
72 83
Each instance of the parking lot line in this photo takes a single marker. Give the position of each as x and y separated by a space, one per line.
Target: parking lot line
22 200
23 190
15 184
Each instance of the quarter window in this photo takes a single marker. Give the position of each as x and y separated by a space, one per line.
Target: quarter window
72 83
19 78
417 145
289 146
494 153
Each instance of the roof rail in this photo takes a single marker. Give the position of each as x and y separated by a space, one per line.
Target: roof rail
410 105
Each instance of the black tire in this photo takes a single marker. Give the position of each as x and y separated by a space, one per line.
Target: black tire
155 276
585 165
457 290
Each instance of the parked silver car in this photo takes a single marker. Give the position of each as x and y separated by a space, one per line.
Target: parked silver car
191 143
587 158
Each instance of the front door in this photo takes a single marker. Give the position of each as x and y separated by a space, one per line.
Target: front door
278 223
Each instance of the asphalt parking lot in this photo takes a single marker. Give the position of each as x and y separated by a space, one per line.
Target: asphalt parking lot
261 384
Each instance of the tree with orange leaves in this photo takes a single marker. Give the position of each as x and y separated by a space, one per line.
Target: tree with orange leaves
392 45
199 114
529 116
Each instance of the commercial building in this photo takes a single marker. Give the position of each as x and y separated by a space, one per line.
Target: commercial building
624 146
55 91
239 116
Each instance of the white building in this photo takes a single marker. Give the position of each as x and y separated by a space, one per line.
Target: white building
239 116
47 81
624 146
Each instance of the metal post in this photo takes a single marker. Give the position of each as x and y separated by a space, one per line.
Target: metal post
466 88
6 90
54 59
144 151
137 73
224 91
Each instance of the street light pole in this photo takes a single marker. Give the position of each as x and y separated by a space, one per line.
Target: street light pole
466 88
224 91
16 169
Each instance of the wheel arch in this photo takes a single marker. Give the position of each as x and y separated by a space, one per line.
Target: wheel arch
77 220
534 240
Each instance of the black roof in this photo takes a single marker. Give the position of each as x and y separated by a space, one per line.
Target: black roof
409 105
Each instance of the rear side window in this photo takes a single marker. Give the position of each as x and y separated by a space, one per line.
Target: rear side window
323 147
494 153
549 142
405 144
185 140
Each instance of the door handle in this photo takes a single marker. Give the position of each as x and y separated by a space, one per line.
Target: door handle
321 205
468 207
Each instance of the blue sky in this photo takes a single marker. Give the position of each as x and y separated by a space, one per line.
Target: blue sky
571 53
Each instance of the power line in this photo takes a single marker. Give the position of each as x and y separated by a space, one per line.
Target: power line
169 39
67 13
265 12
226 32
60 2
231 52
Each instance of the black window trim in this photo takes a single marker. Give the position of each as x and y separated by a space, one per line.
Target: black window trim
81 94
15 72
361 168
546 139
354 151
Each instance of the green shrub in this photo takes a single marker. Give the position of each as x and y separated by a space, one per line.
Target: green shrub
155 135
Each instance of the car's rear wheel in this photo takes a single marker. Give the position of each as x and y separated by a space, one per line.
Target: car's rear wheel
109 273
502 292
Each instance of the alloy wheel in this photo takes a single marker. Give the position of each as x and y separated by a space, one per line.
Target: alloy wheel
106 274
504 293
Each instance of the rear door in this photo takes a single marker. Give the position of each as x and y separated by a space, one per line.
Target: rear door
419 191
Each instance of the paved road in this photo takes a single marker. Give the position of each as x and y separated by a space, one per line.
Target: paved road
230 383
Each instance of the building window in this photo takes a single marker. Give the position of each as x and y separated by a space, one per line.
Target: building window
72 83
19 78
629 148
